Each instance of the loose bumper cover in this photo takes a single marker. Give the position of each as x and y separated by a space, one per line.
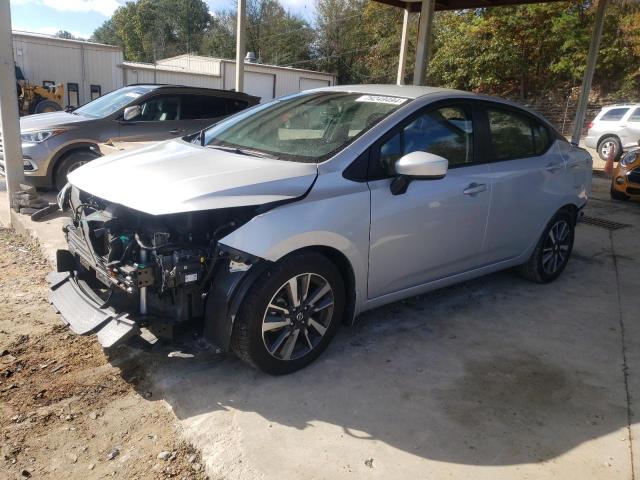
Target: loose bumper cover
84 315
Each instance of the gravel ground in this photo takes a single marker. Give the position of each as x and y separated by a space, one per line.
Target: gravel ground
65 410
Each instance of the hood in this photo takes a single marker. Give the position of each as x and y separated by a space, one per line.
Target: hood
42 121
175 176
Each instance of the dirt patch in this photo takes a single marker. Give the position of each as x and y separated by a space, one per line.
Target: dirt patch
65 411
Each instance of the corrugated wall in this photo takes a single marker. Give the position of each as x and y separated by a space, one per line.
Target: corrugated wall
145 75
193 63
46 59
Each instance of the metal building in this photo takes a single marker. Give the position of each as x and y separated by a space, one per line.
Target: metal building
87 70
264 81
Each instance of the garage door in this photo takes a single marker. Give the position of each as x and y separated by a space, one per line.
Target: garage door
259 84
309 83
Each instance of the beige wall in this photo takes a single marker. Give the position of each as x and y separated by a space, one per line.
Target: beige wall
60 61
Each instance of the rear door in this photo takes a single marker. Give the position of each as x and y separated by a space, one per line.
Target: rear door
436 228
528 176
200 111
159 119
630 136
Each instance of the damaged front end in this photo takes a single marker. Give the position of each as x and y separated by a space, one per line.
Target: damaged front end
126 270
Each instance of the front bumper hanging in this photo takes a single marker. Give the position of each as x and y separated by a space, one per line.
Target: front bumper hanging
84 315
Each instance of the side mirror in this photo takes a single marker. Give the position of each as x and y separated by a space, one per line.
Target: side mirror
420 166
131 112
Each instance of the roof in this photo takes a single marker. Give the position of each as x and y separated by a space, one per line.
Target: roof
406 91
44 36
226 93
246 64
415 5
164 68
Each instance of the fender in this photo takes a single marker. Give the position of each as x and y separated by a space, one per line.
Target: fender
224 298
88 146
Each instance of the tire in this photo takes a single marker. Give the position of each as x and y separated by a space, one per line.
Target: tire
292 337
616 195
68 164
537 269
606 143
45 106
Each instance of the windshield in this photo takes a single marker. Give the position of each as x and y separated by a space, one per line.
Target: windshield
303 127
112 102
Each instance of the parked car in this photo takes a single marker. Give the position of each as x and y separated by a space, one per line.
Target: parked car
625 182
54 144
275 226
615 126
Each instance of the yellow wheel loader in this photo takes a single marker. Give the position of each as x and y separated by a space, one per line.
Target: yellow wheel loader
37 99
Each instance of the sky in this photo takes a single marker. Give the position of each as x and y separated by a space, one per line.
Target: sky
82 17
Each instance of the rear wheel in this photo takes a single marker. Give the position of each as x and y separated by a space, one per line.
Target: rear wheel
45 106
68 164
605 146
291 314
551 255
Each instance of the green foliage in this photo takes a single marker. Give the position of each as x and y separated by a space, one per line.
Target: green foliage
515 51
152 29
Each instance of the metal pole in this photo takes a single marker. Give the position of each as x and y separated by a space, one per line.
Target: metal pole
594 46
404 44
424 41
9 123
240 46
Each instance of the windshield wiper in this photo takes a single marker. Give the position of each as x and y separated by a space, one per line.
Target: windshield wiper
243 151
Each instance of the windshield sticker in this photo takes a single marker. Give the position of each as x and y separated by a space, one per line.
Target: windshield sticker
132 94
381 99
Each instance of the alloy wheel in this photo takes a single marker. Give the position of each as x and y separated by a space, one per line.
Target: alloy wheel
555 251
606 147
298 316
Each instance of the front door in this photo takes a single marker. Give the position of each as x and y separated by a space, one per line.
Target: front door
437 227
159 119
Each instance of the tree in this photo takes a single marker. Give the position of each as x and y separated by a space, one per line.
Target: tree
65 34
151 29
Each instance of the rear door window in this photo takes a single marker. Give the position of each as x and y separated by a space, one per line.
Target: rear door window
515 135
614 114
635 116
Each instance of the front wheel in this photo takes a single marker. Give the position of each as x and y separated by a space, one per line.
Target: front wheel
290 315
553 250
68 164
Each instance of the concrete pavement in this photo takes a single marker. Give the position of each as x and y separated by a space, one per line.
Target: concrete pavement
495 378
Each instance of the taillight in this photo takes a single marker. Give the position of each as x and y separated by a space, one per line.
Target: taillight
590 125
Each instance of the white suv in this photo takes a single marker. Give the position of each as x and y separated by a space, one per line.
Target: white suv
615 126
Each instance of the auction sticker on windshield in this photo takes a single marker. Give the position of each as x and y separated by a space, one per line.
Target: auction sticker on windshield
381 99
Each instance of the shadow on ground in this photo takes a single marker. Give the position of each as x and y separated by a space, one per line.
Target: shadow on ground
497 371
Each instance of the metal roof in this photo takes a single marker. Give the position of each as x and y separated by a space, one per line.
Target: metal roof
415 5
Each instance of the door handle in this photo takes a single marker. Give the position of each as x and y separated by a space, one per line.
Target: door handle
474 188
553 167
176 131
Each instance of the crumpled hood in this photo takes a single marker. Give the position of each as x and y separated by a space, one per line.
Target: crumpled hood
175 176
41 121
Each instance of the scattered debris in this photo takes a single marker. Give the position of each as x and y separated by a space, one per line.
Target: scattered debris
164 455
113 453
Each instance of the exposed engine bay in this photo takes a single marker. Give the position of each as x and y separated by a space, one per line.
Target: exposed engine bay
157 268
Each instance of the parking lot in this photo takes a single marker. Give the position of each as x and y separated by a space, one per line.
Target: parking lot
493 378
